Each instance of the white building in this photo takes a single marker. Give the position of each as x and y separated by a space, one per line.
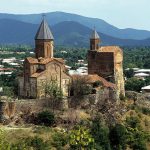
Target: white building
79 71
146 89
141 75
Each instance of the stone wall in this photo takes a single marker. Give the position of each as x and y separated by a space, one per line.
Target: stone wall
107 62
101 63
87 101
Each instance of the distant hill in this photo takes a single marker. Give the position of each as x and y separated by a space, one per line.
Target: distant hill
16 32
68 33
102 26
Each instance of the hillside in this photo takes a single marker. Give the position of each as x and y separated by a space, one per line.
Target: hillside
68 33
102 26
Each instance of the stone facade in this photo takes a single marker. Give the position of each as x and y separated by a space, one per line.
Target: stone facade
44 68
106 62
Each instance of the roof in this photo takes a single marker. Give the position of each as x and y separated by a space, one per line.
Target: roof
141 75
109 49
94 35
47 60
37 74
7 69
43 60
32 60
143 70
93 78
44 32
146 87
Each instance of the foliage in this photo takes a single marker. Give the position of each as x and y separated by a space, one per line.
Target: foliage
60 139
136 137
4 145
46 118
8 91
136 57
134 84
129 73
80 87
145 110
118 135
34 143
133 122
100 133
80 138
52 90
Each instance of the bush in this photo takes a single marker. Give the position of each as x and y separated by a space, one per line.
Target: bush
134 84
118 137
100 133
34 143
133 122
59 140
46 118
146 111
80 138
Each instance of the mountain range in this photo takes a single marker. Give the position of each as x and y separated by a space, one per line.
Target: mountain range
68 29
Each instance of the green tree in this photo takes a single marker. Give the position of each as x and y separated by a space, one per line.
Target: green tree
118 137
53 92
100 133
80 87
136 138
134 84
129 73
81 139
46 118
133 122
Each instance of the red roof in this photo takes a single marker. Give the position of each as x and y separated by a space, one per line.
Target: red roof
7 69
93 78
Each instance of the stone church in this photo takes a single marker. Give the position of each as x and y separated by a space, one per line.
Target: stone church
43 68
104 64
107 62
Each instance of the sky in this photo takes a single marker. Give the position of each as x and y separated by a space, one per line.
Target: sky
120 13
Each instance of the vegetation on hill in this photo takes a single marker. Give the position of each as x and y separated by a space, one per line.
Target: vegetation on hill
93 133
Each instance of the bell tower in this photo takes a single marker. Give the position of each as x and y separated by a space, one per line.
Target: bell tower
94 40
44 41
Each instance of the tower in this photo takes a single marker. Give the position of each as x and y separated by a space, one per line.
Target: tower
44 41
94 40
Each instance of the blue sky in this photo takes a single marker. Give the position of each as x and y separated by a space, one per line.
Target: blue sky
121 13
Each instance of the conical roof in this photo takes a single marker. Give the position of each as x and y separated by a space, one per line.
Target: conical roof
94 35
44 32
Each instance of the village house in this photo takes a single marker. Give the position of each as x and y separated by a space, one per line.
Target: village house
146 89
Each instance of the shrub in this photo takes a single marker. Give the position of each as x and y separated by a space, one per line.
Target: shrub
59 140
34 143
146 111
80 138
46 118
80 86
100 133
134 84
118 137
138 140
133 122
122 97
4 145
